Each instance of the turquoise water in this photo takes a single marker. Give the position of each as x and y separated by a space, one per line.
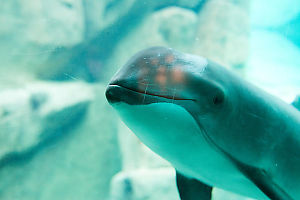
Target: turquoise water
59 138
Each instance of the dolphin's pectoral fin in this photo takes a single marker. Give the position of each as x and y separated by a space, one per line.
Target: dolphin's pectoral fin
192 189
296 102
264 182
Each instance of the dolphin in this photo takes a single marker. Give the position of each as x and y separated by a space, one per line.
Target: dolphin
215 128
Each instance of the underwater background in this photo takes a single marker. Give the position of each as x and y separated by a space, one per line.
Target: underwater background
59 138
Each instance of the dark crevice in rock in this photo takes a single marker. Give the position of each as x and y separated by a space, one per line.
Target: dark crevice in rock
199 6
68 119
67 4
128 188
112 4
291 30
37 100
196 8
296 102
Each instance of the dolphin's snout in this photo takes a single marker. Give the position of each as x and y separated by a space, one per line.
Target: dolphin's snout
111 95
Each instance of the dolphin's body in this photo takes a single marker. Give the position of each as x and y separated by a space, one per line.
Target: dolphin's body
213 127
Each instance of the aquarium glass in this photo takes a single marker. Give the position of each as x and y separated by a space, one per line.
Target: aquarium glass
59 137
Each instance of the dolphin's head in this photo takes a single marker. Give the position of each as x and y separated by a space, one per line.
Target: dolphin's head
166 97
161 74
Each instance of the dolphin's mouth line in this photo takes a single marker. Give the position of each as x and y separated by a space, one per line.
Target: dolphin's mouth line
152 94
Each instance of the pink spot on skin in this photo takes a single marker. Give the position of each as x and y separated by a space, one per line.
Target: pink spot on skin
161 78
169 59
143 72
142 85
143 81
161 70
177 75
154 62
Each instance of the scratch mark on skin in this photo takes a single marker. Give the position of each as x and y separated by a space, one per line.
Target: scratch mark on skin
145 93
72 77
256 116
173 98
146 83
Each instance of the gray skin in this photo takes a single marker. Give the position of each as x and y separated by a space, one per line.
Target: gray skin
247 141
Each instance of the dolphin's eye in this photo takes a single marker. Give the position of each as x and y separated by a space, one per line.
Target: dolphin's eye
218 99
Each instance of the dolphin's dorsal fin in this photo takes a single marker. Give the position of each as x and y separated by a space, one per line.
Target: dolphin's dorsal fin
192 189
296 102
